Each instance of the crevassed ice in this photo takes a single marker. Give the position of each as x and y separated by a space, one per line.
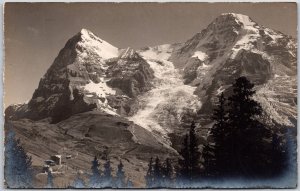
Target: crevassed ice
164 105
162 52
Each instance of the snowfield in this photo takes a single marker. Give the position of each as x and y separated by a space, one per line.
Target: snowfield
102 91
200 55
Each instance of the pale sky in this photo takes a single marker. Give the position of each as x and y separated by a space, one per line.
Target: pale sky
35 32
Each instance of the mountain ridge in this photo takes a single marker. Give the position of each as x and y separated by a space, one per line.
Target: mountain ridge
208 61
152 93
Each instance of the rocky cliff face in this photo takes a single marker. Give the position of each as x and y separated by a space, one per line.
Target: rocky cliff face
84 77
130 73
234 45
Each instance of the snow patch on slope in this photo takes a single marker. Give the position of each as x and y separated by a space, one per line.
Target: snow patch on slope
102 91
200 55
273 34
249 38
220 90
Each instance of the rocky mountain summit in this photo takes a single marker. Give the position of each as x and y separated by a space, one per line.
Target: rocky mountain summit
145 96
88 73
234 45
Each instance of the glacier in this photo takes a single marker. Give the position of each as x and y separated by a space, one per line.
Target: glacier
163 106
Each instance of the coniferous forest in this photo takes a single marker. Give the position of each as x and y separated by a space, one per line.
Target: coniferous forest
242 144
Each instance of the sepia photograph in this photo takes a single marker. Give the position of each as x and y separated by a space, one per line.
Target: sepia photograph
150 95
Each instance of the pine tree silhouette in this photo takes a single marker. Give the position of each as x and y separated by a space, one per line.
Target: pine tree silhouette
78 182
241 138
107 177
129 183
279 157
247 133
157 173
49 180
167 172
18 171
194 153
184 162
120 176
215 151
189 164
150 174
95 178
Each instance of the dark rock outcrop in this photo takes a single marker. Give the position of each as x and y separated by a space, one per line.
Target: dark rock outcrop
130 73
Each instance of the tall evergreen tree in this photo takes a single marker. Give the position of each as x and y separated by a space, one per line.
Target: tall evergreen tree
167 172
120 176
278 152
129 183
220 117
49 180
184 162
189 164
241 146
107 176
194 153
150 174
95 178
214 150
247 133
18 170
78 182
157 173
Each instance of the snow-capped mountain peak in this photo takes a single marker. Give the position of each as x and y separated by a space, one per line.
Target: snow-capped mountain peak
240 19
234 45
233 22
90 43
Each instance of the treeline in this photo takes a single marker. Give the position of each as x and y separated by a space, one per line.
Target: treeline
98 178
104 179
18 171
242 145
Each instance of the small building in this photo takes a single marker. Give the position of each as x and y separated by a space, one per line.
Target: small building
56 159
46 168
68 156
49 162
